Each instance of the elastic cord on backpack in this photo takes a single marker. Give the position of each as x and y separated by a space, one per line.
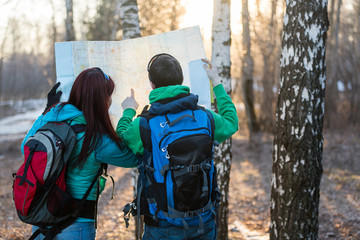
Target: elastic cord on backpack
138 209
28 160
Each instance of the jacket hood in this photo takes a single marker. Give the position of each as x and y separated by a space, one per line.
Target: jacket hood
65 113
172 99
166 92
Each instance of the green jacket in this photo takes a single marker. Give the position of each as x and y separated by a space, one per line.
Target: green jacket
226 122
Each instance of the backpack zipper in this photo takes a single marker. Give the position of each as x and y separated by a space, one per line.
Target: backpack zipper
23 208
167 134
53 147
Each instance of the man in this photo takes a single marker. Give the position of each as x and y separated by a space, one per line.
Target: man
177 192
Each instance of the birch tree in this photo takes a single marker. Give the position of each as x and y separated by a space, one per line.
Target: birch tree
69 22
221 40
247 69
298 140
129 18
130 25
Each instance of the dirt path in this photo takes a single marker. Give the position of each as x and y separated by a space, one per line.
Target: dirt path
340 187
249 191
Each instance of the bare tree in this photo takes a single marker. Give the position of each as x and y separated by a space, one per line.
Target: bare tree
347 62
247 69
69 21
2 55
355 103
158 16
116 26
332 88
14 32
174 17
53 40
221 40
106 23
298 140
266 38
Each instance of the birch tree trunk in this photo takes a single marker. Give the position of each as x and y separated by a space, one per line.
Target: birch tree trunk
221 40
129 17
298 140
247 71
69 22
130 24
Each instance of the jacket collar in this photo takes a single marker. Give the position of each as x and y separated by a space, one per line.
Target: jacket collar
184 102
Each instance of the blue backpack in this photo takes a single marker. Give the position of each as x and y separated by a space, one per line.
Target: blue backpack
177 177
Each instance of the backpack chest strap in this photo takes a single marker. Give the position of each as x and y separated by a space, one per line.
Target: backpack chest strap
173 213
181 170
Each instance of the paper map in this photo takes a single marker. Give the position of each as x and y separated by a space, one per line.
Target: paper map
126 62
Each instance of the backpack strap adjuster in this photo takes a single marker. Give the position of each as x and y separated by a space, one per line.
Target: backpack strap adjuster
194 168
190 214
164 169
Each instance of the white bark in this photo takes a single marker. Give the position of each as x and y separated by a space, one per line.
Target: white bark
221 40
298 142
129 19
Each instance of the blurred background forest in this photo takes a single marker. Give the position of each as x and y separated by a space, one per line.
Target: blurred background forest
28 30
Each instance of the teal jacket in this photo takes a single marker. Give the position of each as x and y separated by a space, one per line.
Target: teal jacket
226 121
78 180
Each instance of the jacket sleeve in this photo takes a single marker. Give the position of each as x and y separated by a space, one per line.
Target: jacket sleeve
36 125
109 152
226 121
129 132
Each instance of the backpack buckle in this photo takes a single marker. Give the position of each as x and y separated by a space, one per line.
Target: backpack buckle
194 168
190 214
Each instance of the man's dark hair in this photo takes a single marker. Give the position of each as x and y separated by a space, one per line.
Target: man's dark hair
164 70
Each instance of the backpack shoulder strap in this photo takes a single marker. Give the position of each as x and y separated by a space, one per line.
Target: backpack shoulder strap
78 128
211 118
144 127
145 133
51 232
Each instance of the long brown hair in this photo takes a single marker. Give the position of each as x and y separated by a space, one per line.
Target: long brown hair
90 94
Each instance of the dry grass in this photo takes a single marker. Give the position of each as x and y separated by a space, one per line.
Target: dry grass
249 191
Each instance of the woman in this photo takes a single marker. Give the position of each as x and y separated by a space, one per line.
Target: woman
89 101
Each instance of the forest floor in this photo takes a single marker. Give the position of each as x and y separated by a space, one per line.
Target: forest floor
249 194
